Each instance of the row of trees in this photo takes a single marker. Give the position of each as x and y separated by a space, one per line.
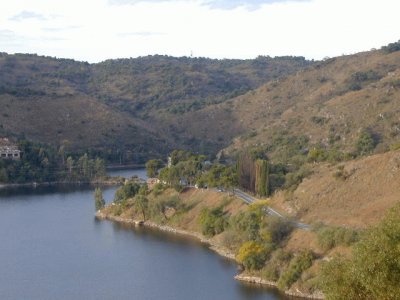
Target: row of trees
186 168
253 173
43 163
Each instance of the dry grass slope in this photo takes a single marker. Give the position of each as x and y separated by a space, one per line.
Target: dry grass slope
358 196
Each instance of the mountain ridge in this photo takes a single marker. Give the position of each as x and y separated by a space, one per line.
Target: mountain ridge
146 94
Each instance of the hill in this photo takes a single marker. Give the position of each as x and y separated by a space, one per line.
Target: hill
354 194
288 108
126 105
331 106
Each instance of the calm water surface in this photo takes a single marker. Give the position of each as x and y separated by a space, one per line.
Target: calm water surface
52 247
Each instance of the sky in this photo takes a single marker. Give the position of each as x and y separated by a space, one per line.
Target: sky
96 30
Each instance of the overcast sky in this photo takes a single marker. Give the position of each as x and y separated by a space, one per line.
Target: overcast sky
95 30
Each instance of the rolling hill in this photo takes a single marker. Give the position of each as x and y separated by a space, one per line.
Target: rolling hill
328 106
285 107
126 105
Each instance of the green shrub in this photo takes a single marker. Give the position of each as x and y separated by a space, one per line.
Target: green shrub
158 189
365 143
373 271
275 266
319 120
330 237
128 190
292 180
278 229
392 47
159 207
248 223
213 221
317 155
297 266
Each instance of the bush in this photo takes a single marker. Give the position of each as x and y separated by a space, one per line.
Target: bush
392 47
330 237
158 189
395 146
213 221
275 266
297 266
373 271
292 180
365 143
317 155
252 255
319 120
279 229
248 223
128 190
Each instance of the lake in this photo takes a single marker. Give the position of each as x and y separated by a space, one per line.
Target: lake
52 247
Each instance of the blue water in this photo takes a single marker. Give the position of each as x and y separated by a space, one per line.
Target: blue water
52 247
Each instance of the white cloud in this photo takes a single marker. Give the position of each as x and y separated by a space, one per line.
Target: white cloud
220 4
95 30
24 15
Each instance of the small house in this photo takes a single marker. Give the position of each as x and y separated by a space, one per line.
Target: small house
8 150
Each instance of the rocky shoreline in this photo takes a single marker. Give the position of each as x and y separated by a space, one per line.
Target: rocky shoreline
216 248
293 293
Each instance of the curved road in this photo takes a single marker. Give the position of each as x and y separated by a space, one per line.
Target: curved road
268 210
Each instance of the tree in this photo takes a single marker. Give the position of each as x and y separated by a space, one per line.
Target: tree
99 168
373 271
83 164
152 167
98 199
262 177
229 179
70 165
365 143
246 172
213 221
252 255
141 204
128 190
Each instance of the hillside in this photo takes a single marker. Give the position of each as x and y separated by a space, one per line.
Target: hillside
126 105
326 106
353 194
287 107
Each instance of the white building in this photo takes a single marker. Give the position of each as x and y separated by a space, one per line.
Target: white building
8 150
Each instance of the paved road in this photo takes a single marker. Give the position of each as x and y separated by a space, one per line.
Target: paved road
268 210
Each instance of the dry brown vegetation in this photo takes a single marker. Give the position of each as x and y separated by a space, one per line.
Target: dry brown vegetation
358 197
329 103
184 103
128 104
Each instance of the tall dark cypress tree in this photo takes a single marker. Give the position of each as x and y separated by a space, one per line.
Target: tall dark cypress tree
261 177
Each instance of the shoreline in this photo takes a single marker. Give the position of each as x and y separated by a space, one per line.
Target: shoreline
53 183
214 247
124 167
